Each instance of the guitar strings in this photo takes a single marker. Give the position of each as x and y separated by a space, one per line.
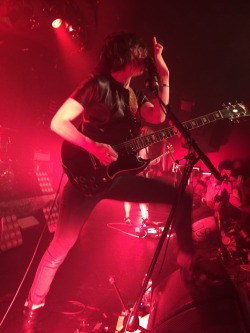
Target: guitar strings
167 132
141 142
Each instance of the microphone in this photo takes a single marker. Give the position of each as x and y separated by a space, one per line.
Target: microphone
153 78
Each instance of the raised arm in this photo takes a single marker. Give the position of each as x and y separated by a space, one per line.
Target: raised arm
152 111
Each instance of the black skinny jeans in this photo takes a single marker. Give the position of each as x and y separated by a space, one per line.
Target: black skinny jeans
75 210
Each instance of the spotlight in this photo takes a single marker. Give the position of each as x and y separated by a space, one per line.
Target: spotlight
74 30
57 23
71 29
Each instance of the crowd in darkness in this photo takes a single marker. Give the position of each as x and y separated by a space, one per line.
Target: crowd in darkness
228 200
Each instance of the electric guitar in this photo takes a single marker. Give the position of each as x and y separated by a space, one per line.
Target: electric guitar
92 178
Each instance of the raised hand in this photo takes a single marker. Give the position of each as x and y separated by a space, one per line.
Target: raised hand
160 62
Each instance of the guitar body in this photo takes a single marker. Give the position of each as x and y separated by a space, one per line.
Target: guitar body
92 178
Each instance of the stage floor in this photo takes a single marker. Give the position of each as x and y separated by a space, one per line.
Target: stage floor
82 291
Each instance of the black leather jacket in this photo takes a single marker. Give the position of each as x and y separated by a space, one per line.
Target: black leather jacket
107 117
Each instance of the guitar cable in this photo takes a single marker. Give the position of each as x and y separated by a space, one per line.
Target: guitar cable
34 254
115 226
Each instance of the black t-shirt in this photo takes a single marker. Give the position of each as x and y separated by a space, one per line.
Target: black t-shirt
107 117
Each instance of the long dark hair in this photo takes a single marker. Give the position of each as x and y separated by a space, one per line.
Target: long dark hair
118 50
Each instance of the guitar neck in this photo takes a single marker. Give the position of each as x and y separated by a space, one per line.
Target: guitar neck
138 143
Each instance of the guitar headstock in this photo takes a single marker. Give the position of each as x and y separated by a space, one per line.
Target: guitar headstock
234 111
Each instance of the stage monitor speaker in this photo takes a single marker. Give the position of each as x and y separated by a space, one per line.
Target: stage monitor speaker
179 306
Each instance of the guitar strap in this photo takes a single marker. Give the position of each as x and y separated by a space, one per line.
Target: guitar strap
133 104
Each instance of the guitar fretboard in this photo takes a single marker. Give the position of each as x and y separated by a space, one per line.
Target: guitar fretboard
141 142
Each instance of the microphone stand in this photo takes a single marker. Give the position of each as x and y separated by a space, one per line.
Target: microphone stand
131 322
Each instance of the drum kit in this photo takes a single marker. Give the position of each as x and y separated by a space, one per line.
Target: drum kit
6 169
